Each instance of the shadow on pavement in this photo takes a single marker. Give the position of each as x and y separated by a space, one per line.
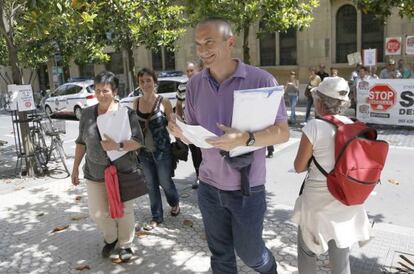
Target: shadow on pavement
177 246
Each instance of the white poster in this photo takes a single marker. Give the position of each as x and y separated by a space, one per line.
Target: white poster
409 45
386 101
393 46
354 58
370 57
25 100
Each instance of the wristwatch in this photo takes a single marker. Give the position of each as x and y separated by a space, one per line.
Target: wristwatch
121 146
251 140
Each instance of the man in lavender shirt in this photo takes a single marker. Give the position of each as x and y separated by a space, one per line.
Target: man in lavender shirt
232 221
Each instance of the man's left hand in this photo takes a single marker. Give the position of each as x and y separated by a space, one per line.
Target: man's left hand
232 138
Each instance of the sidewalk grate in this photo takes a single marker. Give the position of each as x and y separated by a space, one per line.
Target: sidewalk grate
402 262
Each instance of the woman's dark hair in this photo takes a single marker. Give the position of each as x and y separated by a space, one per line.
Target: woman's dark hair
148 71
107 78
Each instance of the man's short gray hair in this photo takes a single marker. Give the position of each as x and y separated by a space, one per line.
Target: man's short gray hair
222 25
332 105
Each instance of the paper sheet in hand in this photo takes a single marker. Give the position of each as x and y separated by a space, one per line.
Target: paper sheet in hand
253 110
197 135
116 125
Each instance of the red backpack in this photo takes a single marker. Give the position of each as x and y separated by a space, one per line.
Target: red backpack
359 160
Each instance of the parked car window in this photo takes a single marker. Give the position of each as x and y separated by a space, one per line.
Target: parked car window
91 88
59 91
167 86
72 89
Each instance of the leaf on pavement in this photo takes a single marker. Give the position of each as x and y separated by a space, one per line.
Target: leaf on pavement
60 228
142 233
188 223
185 195
19 188
117 261
393 181
78 198
40 214
83 267
78 218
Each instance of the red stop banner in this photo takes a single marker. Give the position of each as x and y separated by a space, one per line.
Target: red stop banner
381 97
393 46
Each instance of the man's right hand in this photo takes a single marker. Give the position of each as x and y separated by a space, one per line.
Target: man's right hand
175 130
75 176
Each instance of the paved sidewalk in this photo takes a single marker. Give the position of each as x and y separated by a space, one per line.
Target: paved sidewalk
31 208
28 216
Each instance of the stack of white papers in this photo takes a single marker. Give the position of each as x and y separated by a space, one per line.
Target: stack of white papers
116 125
253 110
197 135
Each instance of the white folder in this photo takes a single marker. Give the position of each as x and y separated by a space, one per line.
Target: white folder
253 110
116 125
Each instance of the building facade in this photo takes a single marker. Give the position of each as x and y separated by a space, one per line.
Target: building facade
338 29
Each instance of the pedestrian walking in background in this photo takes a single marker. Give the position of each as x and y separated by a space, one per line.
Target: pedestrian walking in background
321 72
325 224
354 73
390 71
409 72
233 220
314 81
196 155
89 144
292 90
154 111
373 72
334 72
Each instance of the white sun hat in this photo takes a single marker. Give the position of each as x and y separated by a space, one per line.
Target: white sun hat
334 87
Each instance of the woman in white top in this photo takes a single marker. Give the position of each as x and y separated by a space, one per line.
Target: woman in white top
325 224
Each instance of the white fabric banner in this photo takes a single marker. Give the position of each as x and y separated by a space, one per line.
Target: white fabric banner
386 101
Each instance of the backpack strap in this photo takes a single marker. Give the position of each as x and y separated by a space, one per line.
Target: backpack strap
320 168
331 119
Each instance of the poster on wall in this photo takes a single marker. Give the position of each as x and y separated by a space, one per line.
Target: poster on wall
386 101
370 57
409 45
393 46
21 97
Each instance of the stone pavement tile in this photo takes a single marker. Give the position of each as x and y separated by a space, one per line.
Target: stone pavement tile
27 218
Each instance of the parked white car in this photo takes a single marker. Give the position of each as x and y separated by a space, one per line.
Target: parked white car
71 98
167 87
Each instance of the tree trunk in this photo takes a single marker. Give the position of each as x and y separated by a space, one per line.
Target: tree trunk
24 127
246 49
131 64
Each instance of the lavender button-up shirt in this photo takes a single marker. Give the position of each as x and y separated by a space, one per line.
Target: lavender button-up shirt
209 103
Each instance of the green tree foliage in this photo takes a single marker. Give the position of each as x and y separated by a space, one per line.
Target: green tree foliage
384 8
4 59
66 27
146 23
273 15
